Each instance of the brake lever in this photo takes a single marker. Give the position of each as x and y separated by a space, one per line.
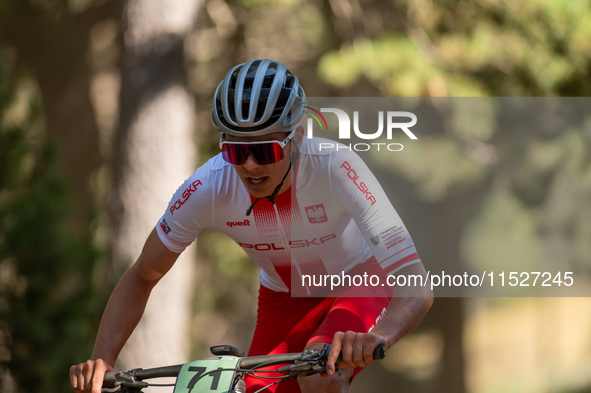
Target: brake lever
315 364
126 380
313 369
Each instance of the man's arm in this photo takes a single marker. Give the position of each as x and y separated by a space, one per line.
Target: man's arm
404 313
122 314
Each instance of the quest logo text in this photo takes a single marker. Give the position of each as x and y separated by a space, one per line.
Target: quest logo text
396 121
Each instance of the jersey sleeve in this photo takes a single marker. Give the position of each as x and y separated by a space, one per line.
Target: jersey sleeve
357 191
188 212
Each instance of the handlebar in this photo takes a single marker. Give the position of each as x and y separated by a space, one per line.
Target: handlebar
268 360
252 362
140 375
378 353
273 360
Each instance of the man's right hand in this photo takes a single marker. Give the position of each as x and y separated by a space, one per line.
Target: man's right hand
88 376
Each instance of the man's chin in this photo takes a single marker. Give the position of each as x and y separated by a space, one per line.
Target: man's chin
259 193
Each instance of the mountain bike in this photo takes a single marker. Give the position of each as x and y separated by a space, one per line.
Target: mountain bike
225 371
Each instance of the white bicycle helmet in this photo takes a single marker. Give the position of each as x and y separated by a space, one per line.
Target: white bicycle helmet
257 98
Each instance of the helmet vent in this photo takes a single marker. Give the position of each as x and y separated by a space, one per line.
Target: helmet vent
279 99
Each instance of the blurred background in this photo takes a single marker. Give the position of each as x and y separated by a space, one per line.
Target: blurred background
104 111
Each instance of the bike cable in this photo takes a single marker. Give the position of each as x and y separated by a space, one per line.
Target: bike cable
274 383
244 370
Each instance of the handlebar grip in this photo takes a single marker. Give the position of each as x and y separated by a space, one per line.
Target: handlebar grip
109 380
378 353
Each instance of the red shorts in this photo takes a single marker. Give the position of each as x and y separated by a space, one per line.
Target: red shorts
288 324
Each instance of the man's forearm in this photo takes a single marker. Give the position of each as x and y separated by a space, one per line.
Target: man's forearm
404 313
406 309
128 301
122 314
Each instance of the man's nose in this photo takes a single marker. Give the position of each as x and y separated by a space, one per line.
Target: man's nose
251 162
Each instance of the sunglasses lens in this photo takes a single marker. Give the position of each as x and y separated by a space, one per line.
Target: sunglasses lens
267 153
234 154
264 153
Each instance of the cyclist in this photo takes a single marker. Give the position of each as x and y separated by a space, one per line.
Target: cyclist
296 210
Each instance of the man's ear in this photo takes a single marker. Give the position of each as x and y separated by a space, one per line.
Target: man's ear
299 135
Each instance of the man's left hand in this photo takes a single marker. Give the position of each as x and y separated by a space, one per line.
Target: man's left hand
357 349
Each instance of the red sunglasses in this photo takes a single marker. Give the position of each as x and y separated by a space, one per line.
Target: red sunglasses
265 152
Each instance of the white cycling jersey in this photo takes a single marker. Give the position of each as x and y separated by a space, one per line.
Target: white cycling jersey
334 217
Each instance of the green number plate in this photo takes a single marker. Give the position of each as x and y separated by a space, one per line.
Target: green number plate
216 380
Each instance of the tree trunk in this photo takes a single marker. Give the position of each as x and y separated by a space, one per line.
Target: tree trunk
454 212
154 152
53 43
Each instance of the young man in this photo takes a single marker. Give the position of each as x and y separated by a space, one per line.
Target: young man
296 211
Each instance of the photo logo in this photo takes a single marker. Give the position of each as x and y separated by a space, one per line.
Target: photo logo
316 214
391 121
316 115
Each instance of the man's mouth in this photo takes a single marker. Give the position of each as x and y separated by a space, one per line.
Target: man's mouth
257 180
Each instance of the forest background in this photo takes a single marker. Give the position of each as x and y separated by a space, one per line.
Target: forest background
104 111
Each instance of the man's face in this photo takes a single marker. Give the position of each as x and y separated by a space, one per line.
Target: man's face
261 180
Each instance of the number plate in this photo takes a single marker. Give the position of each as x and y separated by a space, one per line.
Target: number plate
215 380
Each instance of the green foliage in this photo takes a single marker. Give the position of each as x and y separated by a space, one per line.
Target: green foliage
532 188
438 166
504 236
475 48
48 305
